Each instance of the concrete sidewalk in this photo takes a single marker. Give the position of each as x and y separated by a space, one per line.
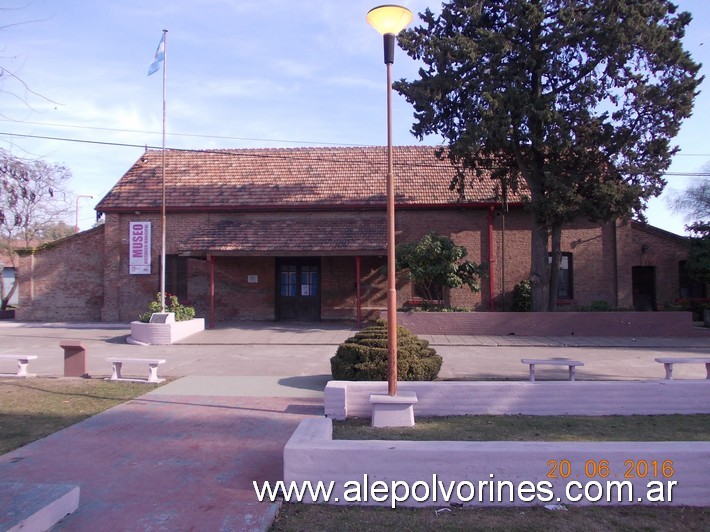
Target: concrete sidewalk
248 349
168 461
184 456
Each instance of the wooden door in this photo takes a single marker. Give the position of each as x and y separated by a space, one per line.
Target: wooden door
643 280
298 289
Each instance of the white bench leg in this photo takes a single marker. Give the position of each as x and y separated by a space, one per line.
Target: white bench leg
532 372
116 371
153 373
669 371
707 370
571 372
22 367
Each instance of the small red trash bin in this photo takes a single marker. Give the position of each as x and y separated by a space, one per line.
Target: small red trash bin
75 358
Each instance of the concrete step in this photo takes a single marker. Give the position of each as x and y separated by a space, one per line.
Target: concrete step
35 507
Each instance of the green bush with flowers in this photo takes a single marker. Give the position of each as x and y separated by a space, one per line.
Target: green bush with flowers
182 312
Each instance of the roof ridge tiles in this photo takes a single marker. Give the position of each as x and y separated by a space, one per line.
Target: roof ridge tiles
295 148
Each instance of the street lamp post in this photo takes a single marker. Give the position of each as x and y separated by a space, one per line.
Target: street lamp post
76 212
389 20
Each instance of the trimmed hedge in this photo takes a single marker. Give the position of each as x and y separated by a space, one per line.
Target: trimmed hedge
363 357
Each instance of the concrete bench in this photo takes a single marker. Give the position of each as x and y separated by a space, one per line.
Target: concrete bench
532 362
668 364
153 363
22 362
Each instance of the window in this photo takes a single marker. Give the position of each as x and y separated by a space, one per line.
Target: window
309 280
288 280
564 288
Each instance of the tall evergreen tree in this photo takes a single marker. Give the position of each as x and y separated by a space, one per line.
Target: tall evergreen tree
575 102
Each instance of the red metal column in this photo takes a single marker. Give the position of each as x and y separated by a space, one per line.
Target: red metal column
491 259
210 260
358 295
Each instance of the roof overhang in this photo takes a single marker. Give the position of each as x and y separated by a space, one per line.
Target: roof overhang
341 236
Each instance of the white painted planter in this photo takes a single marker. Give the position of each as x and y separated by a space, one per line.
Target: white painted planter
392 467
164 333
490 473
345 399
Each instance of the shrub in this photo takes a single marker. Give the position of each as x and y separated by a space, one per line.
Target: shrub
436 263
598 305
363 357
182 313
424 305
696 305
522 296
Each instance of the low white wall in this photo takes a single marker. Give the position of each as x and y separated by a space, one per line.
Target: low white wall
345 399
550 323
164 333
312 455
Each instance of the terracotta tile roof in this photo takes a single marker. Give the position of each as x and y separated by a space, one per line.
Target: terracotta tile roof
288 179
278 237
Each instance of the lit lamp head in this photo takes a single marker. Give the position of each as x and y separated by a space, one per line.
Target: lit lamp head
389 20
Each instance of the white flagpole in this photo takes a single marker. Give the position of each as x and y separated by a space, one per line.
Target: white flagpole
162 253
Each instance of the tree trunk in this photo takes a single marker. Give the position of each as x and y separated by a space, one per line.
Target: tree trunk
556 242
5 300
539 268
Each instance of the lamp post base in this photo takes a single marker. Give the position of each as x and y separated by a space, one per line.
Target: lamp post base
393 410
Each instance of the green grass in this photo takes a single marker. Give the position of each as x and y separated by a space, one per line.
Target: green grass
535 428
301 517
36 407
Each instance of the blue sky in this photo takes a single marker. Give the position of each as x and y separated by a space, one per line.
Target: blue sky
246 73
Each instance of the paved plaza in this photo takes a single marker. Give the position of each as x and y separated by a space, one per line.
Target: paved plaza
268 349
184 456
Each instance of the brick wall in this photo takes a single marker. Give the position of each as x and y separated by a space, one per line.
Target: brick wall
465 227
64 280
641 245
86 277
338 287
235 296
603 256
592 247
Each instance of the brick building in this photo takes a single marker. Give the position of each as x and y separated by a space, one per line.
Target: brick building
300 234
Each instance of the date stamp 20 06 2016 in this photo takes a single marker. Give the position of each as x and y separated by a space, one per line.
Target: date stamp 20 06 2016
603 469
617 482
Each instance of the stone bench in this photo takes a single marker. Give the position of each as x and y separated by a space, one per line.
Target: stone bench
29 506
532 362
153 363
668 364
22 362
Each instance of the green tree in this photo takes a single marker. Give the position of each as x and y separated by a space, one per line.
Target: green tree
435 263
698 264
573 102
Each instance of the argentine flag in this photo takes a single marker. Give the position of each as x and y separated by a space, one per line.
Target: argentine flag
159 56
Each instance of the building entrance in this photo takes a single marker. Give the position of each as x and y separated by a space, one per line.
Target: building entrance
643 279
298 289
